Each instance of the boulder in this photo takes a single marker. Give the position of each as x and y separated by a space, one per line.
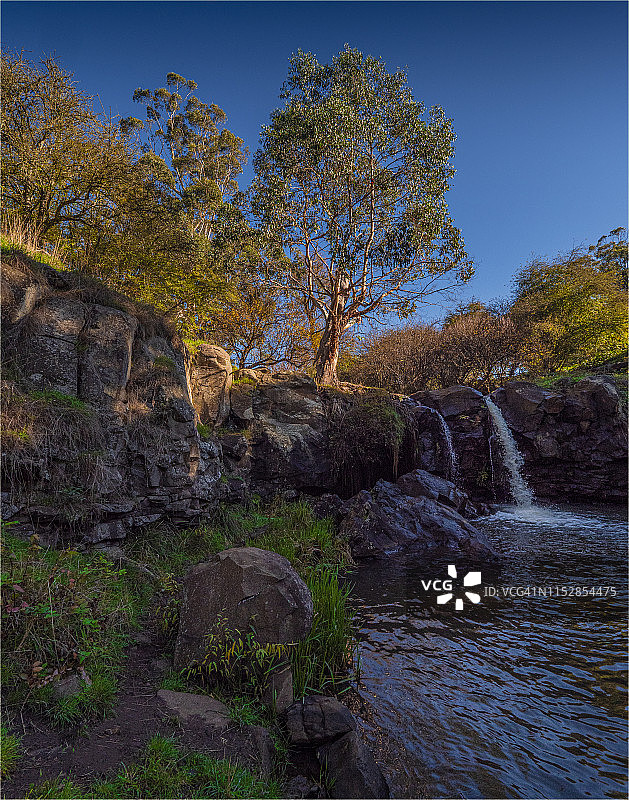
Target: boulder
278 693
250 588
187 707
386 520
241 401
350 769
316 720
211 380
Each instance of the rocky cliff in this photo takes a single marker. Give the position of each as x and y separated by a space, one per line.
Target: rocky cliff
110 424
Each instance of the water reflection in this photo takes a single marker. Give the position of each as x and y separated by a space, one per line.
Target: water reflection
519 696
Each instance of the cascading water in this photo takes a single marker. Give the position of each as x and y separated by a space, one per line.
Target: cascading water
512 458
447 438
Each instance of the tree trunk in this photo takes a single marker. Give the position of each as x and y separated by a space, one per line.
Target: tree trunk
328 354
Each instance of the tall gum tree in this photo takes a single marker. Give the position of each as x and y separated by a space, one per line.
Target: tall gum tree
350 185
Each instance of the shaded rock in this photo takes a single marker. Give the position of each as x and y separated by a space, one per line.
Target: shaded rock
301 786
350 770
265 748
211 379
278 694
107 531
329 505
316 720
66 687
250 588
452 401
385 520
420 483
289 444
188 707
241 399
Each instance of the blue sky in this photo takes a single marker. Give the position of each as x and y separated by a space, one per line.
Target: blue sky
537 92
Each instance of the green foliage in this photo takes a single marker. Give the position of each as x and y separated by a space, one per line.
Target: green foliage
365 438
165 769
165 363
322 661
64 401
575 310
350 183
205 431
293 531
63 613
235 661
10 752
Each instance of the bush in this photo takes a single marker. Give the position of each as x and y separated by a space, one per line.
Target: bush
365 441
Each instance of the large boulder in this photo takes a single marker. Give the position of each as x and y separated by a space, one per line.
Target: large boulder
452 401
349 769
249 588
420 483
316 720
211 379
385 520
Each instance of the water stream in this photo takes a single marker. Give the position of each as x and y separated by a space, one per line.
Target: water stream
447 438
511 457
522 695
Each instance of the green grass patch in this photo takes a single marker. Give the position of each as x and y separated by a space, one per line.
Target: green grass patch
165 363
64 401
64 613
166 770
205 431
10 752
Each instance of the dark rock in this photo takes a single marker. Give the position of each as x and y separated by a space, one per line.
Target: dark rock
316 720
300 786
278 694
350 769
250 588
385 521
420 483
199 707
329 505
452 401
265 748
66 687
241 399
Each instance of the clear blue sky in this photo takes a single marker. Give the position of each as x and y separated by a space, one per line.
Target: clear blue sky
537 92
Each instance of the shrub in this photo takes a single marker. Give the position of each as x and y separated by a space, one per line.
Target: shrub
365 440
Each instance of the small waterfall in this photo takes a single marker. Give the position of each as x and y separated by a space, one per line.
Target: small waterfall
513 459
447 438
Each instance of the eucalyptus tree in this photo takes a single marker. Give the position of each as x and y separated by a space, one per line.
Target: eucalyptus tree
350 185
191 153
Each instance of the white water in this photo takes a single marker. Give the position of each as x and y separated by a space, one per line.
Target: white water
447 437
512 458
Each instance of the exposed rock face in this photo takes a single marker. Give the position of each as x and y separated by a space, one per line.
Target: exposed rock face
289 447
574 441
386 520
186 706
420 483
250 588
142 460
211 379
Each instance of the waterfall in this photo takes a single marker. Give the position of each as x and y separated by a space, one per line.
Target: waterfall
447 438
512 458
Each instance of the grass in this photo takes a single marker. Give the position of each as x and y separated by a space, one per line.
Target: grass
63 401
10 752
64 613
166 770
17 237
205 431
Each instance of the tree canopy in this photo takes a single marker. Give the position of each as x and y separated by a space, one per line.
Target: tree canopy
350 184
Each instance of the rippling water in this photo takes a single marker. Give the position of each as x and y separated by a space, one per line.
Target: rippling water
516 697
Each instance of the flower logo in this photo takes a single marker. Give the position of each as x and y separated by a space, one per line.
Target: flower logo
471 579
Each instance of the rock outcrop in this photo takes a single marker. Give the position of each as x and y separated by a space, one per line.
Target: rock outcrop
387 520
250 589
100 433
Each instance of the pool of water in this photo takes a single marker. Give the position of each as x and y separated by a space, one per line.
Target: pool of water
523 694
